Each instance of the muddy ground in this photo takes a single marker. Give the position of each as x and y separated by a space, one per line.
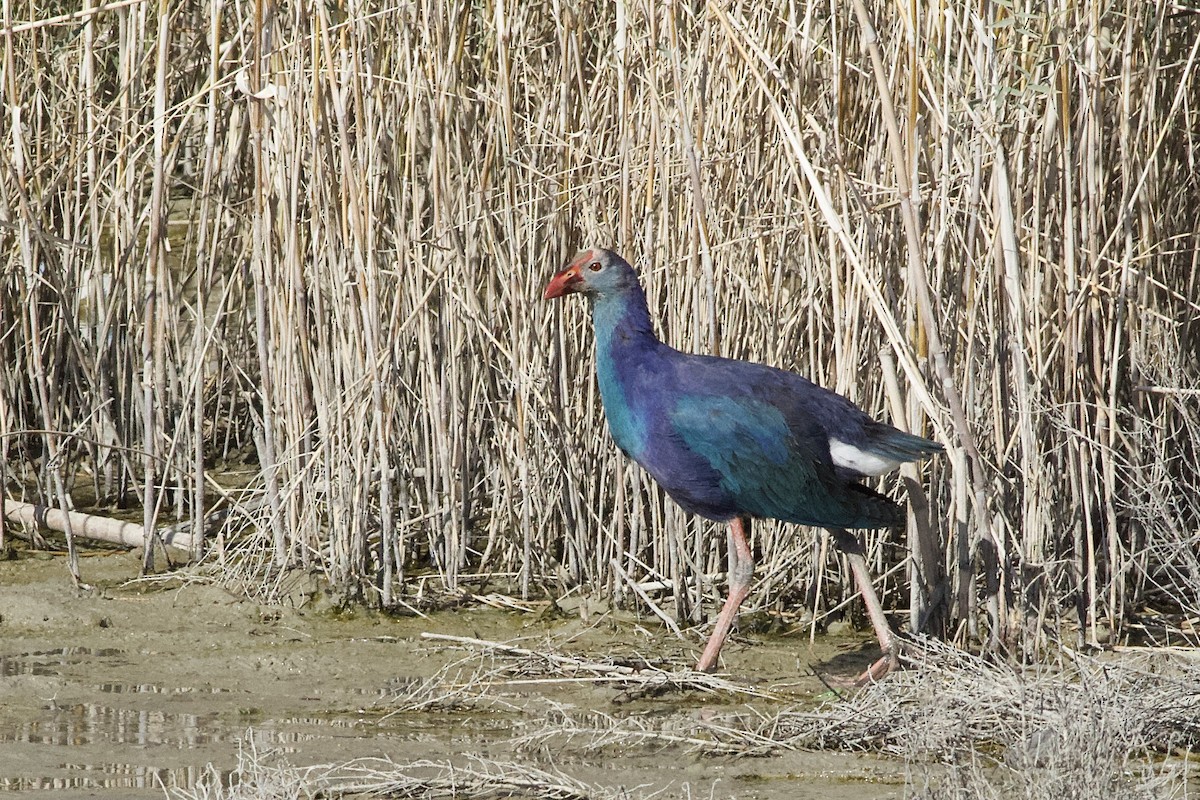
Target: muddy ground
128 688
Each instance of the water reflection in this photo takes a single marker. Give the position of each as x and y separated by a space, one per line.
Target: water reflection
90 723
113 776
146 719
51 662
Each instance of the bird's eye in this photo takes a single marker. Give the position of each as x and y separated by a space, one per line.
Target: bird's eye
595 266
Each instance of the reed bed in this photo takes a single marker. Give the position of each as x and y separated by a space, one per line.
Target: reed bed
285 262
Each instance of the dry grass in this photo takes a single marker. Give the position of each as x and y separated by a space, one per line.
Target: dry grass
311 242
262 776
529 666
952 702
964 726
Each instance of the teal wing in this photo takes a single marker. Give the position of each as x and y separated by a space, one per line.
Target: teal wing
769 465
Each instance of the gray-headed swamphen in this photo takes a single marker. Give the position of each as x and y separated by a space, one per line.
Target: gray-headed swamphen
733 441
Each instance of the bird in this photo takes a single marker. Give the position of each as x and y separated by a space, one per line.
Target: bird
734 441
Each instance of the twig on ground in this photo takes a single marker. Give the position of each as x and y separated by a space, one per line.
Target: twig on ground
648 678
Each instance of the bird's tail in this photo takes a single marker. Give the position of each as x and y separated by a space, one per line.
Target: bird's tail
897 445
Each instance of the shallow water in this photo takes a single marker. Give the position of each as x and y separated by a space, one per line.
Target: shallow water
125 691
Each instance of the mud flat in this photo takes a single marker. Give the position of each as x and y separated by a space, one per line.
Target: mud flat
128 688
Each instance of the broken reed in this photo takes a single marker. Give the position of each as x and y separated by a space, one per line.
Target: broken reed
315 243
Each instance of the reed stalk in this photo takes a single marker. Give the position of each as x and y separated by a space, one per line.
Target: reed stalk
295 256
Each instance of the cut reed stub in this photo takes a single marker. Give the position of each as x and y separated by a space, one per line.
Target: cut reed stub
91 526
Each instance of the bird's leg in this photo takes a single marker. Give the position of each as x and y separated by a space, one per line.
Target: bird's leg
741 570
849 544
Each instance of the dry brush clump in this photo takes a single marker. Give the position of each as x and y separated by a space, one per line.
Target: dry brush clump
284 263
1087 727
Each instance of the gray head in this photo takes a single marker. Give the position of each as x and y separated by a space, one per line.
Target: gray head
594 272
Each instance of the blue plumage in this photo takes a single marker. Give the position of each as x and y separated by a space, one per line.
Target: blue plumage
729 438
734 441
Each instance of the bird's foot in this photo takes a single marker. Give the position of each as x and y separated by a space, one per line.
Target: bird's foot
874 673
886 663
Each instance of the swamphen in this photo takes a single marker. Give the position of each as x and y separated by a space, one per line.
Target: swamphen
733 441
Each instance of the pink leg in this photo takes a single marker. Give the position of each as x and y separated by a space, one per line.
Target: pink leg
849 544
741 569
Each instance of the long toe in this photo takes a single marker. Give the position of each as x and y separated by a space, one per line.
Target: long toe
886 663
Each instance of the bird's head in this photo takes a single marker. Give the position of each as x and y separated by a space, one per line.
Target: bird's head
593 272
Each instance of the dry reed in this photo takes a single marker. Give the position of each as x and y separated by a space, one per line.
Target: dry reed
963 725
311 242
264 776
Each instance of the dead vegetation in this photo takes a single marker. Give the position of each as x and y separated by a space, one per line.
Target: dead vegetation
285 262
1083 727
950 702
264 776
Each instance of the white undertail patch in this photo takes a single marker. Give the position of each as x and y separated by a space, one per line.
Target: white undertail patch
847 456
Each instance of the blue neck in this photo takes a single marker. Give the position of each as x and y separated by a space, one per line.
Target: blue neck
622 318
624 338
